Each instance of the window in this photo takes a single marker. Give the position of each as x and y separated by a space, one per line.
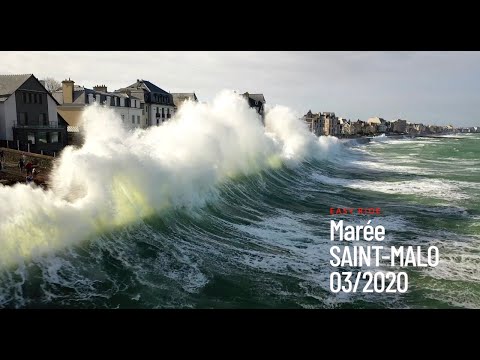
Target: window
138 119
42 137
42 119
133 119
24 98
35 98
31 138
53 137
22 118
39 98
29 98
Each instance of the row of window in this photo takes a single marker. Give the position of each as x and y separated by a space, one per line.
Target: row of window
114 101
133 119
23 119
44 137
157 111
157 115
160 99
31 98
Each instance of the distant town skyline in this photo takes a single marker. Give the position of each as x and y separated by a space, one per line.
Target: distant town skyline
422 87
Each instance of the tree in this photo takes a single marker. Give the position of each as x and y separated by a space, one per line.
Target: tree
51 84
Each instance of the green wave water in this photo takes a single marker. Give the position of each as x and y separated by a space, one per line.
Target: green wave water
263 240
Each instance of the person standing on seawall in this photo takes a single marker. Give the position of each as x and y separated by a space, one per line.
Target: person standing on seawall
29 168
21 164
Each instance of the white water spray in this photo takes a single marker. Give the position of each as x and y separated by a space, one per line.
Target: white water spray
120 176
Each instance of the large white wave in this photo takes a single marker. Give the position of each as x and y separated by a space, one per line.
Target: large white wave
120 176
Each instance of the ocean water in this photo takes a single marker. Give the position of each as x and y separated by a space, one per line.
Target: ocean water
213 211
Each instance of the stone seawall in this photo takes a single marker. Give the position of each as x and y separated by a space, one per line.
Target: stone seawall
13 156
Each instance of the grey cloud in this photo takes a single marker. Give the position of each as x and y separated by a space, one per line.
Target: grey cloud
424 87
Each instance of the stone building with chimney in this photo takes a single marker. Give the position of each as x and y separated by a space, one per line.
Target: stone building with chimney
315 122
74 99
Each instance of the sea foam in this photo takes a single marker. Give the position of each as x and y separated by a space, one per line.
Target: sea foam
120 176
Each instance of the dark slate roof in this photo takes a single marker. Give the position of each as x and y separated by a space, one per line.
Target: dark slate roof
257 97
145 85
154 88
78 91
10 83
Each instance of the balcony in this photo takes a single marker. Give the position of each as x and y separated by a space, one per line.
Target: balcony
49 125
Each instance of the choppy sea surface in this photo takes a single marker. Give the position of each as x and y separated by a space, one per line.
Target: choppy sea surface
260 239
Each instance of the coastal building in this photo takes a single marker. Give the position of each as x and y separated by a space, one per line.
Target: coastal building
256 101
74 99
410 129
323 124
374 121
400 126
331 124
313 121
358 127
370 129
28 115
180 98
379 124
435 129
346 127
156 103
382 127
415 129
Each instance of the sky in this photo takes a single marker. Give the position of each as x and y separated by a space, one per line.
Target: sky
428 87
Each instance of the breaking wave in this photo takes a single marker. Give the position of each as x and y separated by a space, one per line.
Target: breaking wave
120 176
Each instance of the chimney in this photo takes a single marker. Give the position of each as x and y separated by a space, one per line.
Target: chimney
100 88
67 87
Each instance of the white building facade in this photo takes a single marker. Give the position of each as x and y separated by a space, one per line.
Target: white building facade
157 104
